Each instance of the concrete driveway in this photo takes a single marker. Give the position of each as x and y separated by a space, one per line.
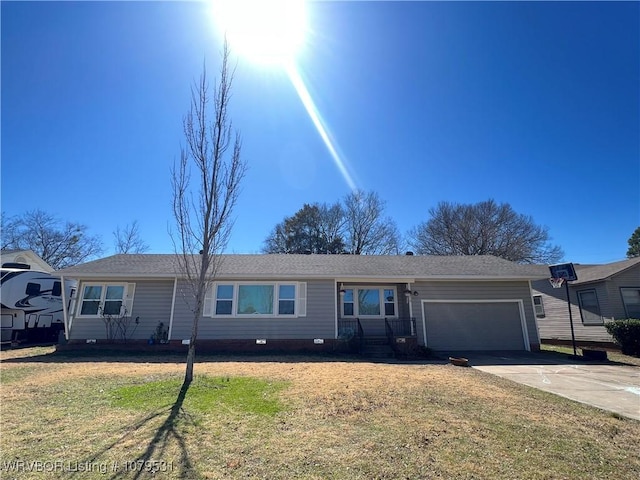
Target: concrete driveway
606 385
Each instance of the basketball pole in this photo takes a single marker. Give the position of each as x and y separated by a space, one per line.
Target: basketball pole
573 337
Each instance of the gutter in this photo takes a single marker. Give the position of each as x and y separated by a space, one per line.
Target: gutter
275 276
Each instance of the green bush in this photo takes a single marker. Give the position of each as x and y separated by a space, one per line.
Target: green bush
626 333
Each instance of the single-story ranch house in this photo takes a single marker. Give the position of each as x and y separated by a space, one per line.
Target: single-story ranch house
307 302
602 293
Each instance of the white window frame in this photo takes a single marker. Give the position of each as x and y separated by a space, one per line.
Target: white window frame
300 300
538 307
356 306
579 293
624 303
127 298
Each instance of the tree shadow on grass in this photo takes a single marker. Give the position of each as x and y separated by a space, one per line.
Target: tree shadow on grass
158 444
152 461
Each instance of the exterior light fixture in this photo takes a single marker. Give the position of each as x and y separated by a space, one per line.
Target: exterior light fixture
408 293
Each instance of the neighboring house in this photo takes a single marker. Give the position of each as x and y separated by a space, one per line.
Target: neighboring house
314 301
27 257
602 293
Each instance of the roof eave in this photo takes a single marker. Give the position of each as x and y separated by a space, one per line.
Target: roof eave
339 278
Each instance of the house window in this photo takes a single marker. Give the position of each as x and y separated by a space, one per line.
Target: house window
347 303
91 296
538 306
389 302
589 307
268 299
224 299
255 299
286 299
106 299
631 301
113 299
369 302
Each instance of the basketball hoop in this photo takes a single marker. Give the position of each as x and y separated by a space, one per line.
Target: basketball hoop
564 273
556 282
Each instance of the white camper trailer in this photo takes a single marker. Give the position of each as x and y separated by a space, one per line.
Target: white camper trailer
31 304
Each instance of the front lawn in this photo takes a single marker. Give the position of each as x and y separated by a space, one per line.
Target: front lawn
294 417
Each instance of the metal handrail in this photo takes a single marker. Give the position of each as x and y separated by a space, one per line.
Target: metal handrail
389 331
402 327
360 335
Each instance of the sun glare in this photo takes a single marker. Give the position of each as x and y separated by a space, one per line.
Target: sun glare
272 32
314 115
263 31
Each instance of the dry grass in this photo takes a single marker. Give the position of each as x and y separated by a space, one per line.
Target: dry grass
339 419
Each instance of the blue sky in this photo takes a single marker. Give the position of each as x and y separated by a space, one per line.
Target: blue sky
535 104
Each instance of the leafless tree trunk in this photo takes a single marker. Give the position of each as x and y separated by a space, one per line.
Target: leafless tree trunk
128 239
203 205
368 232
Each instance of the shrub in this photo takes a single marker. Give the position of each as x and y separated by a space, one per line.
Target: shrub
626 333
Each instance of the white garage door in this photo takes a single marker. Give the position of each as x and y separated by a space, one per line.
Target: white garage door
473 325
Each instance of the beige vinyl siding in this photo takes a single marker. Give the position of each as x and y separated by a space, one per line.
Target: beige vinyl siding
152 303
628 278
319 321
555 324
479 290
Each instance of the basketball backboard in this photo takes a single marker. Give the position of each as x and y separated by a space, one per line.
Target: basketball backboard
564 271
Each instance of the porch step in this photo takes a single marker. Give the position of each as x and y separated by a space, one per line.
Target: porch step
373 340
377 351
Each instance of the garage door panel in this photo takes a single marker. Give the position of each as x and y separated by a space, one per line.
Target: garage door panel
473 326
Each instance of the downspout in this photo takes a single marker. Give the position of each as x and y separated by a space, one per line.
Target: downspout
534 317
173 304
411 311
424 325
335 307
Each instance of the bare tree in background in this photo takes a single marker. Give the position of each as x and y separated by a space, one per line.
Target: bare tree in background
60 244
368 232
485 228
128 239
203 204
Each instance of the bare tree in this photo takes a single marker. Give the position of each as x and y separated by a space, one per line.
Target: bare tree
128 239
332 226
8 231
484 228
203 206
60 244
368 232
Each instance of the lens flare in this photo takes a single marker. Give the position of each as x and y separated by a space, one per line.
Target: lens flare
314 115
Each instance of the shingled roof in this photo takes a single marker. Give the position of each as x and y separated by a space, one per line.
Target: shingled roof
595 273
401 267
